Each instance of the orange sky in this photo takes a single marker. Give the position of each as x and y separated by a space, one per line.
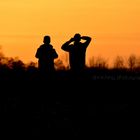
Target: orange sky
112 24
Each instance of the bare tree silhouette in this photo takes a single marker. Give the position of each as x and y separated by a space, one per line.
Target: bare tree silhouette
119 62
132 62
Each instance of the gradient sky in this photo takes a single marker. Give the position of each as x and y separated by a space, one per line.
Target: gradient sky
112 24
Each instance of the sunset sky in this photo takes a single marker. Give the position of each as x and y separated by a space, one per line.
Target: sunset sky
114 26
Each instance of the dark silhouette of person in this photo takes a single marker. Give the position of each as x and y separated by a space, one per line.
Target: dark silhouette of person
77 51
46 55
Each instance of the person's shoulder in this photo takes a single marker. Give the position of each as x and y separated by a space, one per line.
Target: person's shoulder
85 45
51 46
82 43
71 46
41 46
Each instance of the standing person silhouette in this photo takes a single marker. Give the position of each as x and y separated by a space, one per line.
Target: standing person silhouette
77 51
46 55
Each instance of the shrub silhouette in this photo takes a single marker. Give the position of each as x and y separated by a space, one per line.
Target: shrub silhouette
98 63
132 62
119 62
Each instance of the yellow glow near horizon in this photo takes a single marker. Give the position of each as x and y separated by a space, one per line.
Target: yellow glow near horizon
112 24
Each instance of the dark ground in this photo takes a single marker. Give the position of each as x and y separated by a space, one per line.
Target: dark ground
64 109
98 103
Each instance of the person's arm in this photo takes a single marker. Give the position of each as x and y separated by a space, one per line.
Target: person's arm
37 54
87 40
55 55
66 46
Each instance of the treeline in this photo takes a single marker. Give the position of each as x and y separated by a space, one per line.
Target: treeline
132 63
14 68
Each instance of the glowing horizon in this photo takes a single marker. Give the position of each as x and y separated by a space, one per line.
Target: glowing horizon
112 24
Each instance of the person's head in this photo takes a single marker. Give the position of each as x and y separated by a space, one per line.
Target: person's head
47 39
77 37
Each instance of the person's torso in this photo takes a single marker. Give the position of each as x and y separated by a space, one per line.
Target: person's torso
77 55
46 53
